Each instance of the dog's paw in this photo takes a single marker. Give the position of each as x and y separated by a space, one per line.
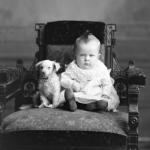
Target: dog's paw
50 106
115 110
41 106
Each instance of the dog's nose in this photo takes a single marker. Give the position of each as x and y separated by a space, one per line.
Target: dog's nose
42 73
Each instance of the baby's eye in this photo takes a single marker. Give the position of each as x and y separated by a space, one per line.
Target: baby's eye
41 67
91 55
82 55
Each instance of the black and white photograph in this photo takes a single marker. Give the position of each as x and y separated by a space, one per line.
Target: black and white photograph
74 74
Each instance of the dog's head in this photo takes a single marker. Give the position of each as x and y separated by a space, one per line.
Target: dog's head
47 67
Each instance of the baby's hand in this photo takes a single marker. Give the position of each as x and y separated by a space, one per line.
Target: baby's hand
76 86
105 96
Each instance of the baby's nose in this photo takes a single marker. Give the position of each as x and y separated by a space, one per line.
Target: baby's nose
87 57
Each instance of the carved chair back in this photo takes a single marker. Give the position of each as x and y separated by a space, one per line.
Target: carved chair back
56 41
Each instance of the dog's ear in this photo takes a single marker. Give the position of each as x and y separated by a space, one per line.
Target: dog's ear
56 66
38 64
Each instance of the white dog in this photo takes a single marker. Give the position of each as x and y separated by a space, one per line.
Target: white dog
49 83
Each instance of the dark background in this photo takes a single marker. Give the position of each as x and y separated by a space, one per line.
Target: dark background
17 35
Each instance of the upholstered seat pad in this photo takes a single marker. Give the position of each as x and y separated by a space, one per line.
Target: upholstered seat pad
63 120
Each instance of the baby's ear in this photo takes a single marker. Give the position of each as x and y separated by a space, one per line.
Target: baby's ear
56 66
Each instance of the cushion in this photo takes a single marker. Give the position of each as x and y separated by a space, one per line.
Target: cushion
63 120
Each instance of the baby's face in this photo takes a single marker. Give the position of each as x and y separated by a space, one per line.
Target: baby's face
87 55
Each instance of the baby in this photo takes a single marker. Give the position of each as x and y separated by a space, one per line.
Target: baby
87 80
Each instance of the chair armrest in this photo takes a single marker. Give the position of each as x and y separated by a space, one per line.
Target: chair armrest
7 92
135 75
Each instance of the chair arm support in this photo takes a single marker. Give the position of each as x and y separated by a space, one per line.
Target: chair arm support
133 118
4 99
136 79
133 93
2 107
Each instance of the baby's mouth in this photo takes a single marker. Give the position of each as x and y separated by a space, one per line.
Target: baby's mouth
87 64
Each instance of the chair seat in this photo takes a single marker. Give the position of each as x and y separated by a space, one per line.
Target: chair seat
57 129
63 120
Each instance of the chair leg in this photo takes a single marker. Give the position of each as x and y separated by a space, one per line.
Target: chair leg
132 141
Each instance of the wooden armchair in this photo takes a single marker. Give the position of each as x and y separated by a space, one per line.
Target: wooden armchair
60 129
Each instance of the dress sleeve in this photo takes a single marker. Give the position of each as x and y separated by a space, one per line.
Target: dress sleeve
66 80
106 81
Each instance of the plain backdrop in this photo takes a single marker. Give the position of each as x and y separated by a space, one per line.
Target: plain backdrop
17 35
